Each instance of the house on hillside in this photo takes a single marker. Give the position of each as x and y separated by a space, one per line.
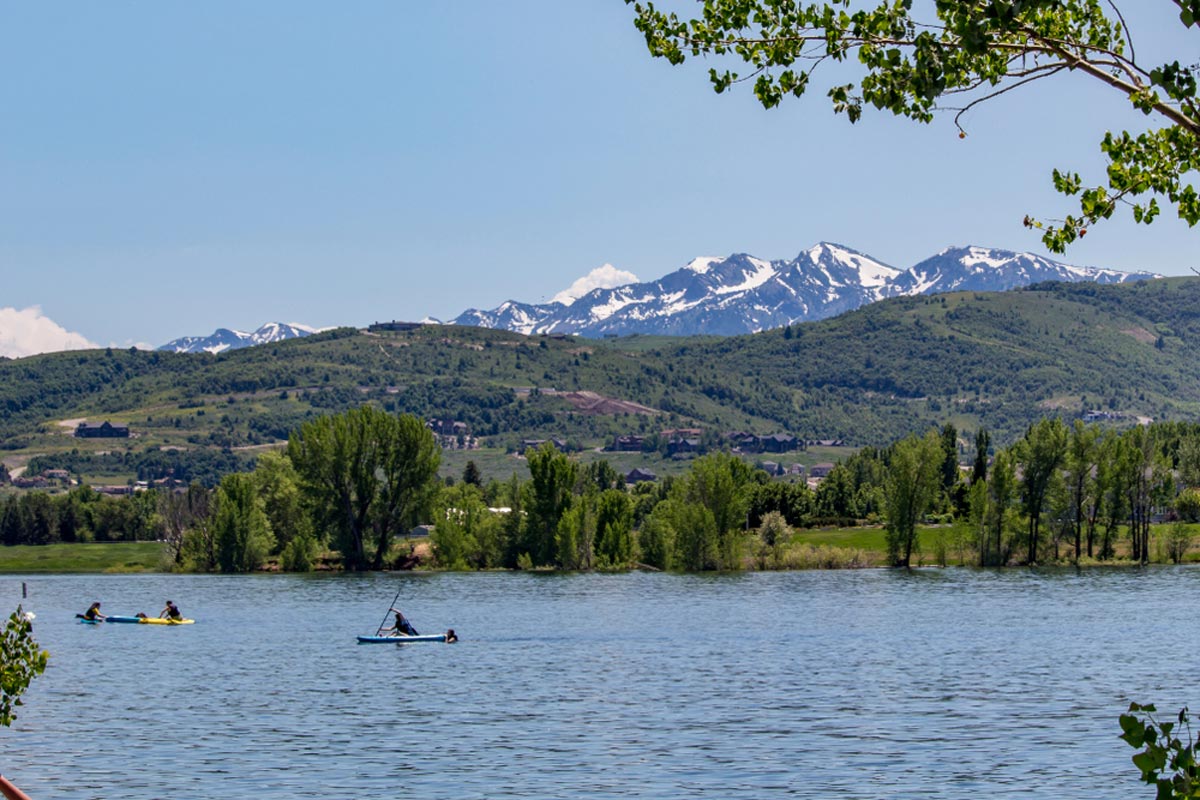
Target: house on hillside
639 475
672 433
678 446
448 427
779 443
820 470
394 326
103 430
534 444
743 441
628 444
32 482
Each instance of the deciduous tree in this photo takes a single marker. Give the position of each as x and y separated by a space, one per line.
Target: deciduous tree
1039 455
553 477
913 477
368 474
241 531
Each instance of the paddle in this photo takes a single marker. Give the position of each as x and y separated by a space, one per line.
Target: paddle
379 630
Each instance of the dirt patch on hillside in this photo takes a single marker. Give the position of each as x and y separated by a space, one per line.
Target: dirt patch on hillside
593 403
1141 334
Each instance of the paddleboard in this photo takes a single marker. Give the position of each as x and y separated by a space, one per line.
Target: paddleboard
429 637
160 621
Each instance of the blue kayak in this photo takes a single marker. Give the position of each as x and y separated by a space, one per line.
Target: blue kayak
86 621
430 637
133 620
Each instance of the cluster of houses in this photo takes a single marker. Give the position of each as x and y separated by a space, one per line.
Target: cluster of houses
687 440
61 478
815 474
47 479
681 442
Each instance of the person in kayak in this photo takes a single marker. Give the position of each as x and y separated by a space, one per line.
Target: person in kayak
170 612
93 612
402 625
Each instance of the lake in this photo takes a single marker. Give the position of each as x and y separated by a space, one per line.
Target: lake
872 683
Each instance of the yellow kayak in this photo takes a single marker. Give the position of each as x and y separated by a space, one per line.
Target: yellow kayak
161 621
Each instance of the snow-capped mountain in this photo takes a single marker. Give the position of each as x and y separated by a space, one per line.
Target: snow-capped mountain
744 294
980 269
225 339
738 294
509 316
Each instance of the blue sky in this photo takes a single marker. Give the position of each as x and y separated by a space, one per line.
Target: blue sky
169 168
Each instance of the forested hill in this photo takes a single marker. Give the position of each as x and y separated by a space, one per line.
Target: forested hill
897 366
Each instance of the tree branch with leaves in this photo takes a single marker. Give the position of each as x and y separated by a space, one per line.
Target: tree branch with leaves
20 662
967 52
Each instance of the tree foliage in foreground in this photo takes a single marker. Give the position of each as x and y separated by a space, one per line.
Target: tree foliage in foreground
965 54
1167 751
20 662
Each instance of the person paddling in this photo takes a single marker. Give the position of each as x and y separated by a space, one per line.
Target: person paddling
402 625
171 612
93 612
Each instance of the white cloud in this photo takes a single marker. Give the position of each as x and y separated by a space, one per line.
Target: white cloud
603 277
26 332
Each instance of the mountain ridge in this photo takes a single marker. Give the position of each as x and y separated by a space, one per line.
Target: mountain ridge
744 294
223 339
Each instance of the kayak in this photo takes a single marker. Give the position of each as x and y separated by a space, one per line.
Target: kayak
122 619
429 637
86 621
161 621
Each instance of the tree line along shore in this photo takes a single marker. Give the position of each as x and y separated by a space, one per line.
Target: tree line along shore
360 491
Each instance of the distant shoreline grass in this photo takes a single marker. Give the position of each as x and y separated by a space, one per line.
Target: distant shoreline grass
95 558
812 548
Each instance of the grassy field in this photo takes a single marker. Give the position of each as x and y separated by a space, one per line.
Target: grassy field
867 542
81 558
873 544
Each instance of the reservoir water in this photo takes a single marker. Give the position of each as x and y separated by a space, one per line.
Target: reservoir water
865 684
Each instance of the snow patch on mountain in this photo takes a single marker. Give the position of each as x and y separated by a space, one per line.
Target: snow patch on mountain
223 339
701 265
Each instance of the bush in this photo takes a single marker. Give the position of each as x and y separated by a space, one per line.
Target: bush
1177 541
807 556
297 556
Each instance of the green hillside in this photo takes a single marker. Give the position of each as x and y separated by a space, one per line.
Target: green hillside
867 377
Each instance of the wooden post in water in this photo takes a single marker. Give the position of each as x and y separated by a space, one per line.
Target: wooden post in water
24 593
